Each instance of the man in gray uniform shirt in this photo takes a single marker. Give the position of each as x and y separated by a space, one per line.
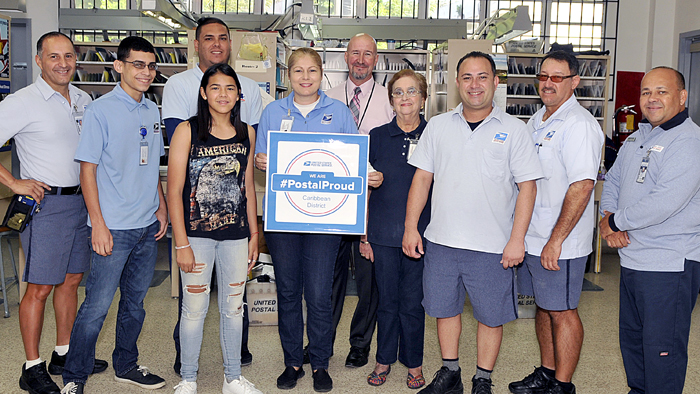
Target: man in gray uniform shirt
651 203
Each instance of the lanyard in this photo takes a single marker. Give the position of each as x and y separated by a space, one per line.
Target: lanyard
347 102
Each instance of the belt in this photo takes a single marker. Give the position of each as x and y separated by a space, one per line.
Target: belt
64 190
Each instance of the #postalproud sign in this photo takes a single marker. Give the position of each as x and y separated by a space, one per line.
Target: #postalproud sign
316 183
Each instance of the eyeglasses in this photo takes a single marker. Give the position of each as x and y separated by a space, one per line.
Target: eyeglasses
139 65
554 78
411 92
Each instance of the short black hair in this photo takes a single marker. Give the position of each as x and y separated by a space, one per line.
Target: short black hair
680 79
563 56
208 21
478 54
133 43
51 34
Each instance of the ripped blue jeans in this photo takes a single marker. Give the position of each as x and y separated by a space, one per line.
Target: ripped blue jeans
231 261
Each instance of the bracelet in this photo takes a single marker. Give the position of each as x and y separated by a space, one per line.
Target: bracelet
182 247
257 232
364 242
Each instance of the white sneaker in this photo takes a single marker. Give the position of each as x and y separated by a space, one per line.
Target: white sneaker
185 387
239 386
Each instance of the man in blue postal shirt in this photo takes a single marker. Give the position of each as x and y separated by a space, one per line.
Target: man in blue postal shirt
651 208
119 154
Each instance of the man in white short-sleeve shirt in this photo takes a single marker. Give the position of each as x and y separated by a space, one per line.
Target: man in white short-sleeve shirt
482 164
560 238
180 94
44 119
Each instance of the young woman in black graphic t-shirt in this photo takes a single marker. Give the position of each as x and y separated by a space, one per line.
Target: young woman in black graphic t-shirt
213 214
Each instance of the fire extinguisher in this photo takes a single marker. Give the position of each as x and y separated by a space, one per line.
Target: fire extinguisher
621 129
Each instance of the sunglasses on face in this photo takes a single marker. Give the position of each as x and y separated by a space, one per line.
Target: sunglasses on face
554 78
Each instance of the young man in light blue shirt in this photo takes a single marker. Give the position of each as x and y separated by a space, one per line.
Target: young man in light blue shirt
119 154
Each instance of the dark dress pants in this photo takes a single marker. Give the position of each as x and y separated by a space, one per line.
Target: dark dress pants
365 317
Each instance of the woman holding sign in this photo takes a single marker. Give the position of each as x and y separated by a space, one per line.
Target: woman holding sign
213 211
304 262
400 315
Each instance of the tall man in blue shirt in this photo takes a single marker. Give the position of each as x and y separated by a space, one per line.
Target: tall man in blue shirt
651 203
119 154
213 46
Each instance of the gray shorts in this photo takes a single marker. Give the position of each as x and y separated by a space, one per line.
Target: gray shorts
56 242
553 290
450 273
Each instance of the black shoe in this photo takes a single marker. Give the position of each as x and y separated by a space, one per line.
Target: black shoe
481 385
357 357
322 381
307 360
534 383
556 388
140 376
288 379
246 357
58 362
73 388
36 380
445 382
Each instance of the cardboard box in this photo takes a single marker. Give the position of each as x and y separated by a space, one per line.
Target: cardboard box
262 303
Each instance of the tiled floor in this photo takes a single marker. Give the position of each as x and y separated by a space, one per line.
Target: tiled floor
600 369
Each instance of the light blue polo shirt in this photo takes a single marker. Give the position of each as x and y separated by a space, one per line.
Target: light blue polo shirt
329 116
181 93
569 145
474 177
110 138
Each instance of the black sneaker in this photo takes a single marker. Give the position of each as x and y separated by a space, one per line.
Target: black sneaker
140 376
73 388
58 362
556 388
288 379
37 381
322 381
481 385
246 357
534 383
445 382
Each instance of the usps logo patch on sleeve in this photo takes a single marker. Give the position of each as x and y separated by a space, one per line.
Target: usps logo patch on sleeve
500 138
327 118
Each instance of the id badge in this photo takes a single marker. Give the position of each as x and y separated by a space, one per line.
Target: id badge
143 159
286 125
643 169
411 148
78 119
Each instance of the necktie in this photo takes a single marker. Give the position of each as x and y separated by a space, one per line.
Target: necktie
355 105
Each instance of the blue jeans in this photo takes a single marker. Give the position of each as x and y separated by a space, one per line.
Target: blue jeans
130 267
304 264
231 261
400 316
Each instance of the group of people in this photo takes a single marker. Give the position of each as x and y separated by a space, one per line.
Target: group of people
454 205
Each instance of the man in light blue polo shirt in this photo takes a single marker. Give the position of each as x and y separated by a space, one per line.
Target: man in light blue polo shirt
483 166
569 143
213 45
119 154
